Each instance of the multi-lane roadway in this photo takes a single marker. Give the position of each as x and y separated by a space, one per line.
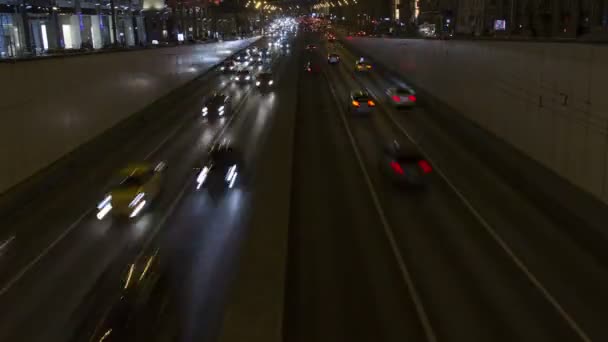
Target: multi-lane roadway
468 258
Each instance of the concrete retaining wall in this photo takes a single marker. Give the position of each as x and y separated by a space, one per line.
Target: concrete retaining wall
546 99
50 107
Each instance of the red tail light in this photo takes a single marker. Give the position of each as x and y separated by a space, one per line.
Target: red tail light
425 166
412 98
371 103
396 167
355 103
396 98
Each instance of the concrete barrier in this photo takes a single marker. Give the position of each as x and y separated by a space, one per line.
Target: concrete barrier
546 99
49 107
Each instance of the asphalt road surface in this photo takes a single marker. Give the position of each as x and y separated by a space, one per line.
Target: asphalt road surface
60 252
470 258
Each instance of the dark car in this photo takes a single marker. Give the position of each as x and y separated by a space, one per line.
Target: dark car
333 58
264 81
258 65
405 166
311 47
228 66
361 102
312 67
218 105
221 169
242 76
138 295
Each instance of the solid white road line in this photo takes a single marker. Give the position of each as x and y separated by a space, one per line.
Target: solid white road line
491 231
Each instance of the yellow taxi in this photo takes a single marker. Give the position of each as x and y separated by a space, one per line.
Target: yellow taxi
363 66
139 185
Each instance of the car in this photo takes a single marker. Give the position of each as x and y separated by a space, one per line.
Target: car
258 65
218 105
312 68
221 168
402 96
255 57
242 57
333 58
138 186
242 76
361 102
311 47
264 81
363 66
265 52
228 66
404 166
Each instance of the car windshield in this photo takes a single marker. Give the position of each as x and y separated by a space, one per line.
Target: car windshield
216 100
134 181
361 97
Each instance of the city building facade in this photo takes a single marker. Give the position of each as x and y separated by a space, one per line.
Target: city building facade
42 27
534 18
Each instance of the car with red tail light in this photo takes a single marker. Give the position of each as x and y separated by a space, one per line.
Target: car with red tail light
402 97
361 102
405 166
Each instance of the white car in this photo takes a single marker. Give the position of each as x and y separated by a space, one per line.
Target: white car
402 96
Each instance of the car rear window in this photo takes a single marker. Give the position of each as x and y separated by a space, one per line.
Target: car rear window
362 98
404 91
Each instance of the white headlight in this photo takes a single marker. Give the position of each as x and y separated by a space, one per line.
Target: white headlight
247 78
222 68
236 78
270 82
221 108
137 199
257 83
137 209
107 200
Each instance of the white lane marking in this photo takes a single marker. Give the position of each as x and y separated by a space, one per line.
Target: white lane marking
407 277
33 262
499 240
494 234
5 244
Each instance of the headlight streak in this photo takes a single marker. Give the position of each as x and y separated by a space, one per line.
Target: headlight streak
202 176
137 199
137 209
104 211
105 202
233 180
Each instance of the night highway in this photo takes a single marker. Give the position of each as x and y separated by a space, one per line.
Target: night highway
470 255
